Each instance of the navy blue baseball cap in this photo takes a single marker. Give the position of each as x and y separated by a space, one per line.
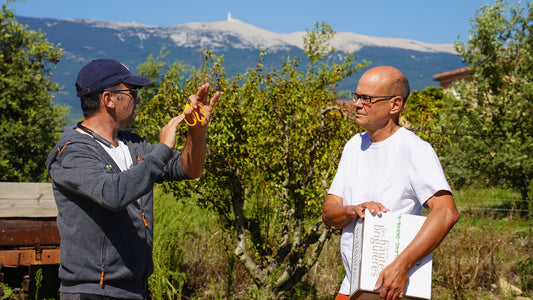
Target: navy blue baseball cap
100 74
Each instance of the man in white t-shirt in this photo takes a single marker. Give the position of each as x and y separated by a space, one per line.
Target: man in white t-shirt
388 168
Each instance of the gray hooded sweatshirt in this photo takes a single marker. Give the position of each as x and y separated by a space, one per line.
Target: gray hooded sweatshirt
105 216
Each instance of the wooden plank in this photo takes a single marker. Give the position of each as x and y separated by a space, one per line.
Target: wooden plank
27 199
27 257
49 257
17 257
28 232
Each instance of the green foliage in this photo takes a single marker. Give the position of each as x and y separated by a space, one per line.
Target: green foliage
171 225
163 99
425 114
273 145
316 42
494 123
38 282
6 292
525 271
29 120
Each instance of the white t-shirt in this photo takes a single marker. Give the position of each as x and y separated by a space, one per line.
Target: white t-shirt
402 172
121 154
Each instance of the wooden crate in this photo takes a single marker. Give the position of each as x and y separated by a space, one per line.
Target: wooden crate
28 231
29 239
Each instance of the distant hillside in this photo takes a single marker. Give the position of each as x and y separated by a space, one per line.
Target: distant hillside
240 43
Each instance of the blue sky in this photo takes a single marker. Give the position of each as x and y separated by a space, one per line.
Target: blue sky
430 21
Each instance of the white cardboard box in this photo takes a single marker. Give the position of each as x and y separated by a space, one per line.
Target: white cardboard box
377 241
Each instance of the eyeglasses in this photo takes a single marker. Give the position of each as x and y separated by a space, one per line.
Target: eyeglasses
134 93
365 99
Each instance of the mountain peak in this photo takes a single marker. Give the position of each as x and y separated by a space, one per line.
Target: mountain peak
234 33
238 42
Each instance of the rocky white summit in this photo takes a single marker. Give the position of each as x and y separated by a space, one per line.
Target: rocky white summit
233 33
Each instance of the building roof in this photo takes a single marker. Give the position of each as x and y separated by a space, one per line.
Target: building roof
448 78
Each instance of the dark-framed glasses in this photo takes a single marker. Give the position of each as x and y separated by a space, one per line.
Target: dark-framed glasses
134 93
365 99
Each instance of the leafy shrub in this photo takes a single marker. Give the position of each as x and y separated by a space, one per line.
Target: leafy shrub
525 270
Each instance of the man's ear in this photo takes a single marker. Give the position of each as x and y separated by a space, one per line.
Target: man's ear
106 100
396 104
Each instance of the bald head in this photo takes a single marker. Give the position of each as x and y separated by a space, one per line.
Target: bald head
387 79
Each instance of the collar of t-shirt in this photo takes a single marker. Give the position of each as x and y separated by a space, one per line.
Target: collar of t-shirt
121 154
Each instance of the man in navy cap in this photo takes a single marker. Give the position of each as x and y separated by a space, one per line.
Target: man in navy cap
103 179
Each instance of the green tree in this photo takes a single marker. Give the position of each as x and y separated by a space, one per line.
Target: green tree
273 147
425 114
316 42
28 120
495 119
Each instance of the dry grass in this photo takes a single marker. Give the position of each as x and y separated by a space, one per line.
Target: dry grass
208 275
482 261
472 263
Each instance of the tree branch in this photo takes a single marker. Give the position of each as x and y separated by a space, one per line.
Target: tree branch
259 276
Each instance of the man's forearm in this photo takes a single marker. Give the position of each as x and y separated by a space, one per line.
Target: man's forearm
193 154
335 215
